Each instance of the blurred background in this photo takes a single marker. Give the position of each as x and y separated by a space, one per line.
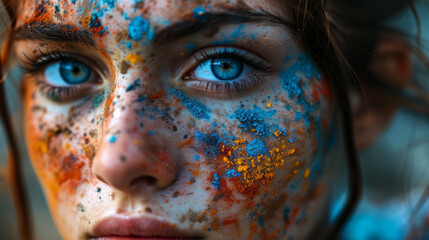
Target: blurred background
395 166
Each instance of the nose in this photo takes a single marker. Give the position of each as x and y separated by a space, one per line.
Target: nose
131 158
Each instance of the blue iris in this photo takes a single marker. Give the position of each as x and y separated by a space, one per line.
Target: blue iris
74 72
226 68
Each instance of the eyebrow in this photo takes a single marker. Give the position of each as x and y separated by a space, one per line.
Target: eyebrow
209 21
54 33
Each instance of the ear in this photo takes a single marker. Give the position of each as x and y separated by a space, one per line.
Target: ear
392 62
375 107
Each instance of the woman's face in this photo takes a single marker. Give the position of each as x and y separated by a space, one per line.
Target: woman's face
174 119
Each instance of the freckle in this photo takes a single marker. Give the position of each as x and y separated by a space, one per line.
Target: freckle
148 210
123 158
174 128
175 194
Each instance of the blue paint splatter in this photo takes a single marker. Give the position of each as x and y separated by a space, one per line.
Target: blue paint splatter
198 109
135 84
261 221
137 28
232 173
196 157
298 116
291 82
286 212
256 147
151 133
190 46
98 100
113 139
129 45
199 12
141 98
210 143
57 9
255 121
216 182
238 31
110 3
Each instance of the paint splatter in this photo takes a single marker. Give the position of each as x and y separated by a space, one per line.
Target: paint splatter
138 28
98 100
199 12
198 109
209 143
113 138
95 25
255 121
216 181
134 85
256 147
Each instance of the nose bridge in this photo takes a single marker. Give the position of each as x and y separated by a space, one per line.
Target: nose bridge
128 157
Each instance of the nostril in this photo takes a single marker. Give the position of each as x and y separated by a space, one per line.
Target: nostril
144 182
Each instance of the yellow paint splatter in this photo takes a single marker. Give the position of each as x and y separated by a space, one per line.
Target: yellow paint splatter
307 173
268 104
133 58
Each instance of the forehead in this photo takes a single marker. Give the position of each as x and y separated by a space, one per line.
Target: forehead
157 12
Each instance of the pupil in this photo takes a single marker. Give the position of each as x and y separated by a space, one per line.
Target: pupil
226 68
225 65
76 70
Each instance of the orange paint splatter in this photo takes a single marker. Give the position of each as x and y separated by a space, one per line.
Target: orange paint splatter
157 95
229 222
185 142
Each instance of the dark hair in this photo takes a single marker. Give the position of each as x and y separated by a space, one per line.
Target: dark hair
320 38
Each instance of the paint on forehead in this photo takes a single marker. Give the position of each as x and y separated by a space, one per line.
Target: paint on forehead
138 28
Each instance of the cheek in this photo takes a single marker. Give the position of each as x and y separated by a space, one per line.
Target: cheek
60 151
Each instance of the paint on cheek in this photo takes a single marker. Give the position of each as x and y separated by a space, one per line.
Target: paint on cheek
134 85
293 82
255 121
198 109
209 142
98 100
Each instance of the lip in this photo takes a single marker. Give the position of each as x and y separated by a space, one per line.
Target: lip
131 228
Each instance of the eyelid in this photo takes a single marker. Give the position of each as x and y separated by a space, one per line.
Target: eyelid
198 56
40 60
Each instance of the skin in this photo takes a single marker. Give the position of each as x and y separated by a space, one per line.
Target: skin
98 154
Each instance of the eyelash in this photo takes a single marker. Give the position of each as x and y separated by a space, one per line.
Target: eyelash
42 59
248 82
36 63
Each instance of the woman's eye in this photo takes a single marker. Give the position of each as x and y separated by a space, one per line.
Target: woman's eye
66 73
226 71
67 80
221 69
